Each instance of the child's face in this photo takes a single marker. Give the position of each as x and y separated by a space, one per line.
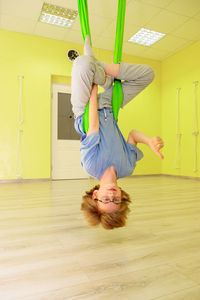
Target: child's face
109 198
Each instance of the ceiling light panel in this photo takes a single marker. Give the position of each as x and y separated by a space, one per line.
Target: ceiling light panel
56 15
146 37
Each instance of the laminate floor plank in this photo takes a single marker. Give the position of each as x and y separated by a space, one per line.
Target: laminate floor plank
48 252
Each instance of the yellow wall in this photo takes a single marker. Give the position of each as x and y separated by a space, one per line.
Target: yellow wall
41 61
179 71
144 114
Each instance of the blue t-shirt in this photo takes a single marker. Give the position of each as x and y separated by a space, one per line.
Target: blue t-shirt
106 148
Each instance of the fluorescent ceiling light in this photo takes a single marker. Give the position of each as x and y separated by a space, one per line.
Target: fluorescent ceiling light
56 15
146 37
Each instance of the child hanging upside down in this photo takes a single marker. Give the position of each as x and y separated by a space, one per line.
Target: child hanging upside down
105 155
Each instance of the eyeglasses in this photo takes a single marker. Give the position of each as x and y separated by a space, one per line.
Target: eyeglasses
107 200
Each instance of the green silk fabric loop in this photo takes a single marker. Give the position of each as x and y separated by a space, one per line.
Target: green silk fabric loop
85 29
84 18
117 98
86 119
119 31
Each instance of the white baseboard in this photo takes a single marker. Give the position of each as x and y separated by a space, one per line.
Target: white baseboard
50 179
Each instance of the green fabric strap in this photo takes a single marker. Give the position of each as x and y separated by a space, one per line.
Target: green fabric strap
84 19
117 98
119 31
85 29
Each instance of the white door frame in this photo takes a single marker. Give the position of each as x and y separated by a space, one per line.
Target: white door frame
65 153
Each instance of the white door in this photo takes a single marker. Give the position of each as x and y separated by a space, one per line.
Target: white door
65 140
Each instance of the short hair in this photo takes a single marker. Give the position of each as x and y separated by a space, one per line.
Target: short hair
108 220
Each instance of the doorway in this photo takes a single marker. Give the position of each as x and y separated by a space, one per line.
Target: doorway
66 159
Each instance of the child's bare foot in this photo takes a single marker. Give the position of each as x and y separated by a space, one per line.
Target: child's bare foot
155 144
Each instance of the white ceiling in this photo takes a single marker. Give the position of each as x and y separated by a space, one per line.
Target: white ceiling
178 19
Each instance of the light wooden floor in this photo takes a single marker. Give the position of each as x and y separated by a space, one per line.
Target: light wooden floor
48 252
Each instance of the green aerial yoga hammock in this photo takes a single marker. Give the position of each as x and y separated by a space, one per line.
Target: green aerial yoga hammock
117 98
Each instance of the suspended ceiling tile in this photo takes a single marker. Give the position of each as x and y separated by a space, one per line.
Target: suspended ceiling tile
98 24
76 25
166 22
110 30
130 30
139 13
188 43
63 3
133 49
157 3
50 31
103 8
104 43
73 36
185 7
156 54
17 24
190 30
22 8
170 42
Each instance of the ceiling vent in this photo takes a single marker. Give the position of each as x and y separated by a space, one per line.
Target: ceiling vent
56 15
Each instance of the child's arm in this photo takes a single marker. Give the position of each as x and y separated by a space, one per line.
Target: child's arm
155 143
93 113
